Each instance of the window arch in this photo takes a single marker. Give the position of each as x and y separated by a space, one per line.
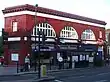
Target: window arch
68 32
46 28
88 35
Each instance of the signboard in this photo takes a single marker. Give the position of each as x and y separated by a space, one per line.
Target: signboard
83 57
75 58
44 48
58 55
71 47
91 59
15 57
100 49
80 57
100 52
50 46
87 57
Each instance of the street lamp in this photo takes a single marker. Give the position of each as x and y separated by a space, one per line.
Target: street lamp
35 34
36 43
39 33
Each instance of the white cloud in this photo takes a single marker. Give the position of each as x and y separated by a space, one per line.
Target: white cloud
99 9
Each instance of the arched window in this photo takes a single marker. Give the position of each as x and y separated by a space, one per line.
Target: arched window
46 28
88 35
68 32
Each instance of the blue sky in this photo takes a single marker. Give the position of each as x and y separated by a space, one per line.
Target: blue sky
98 9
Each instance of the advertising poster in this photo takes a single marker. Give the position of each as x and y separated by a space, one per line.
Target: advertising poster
14 57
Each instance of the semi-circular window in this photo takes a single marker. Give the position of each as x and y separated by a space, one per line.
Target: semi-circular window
88 35
68 32
46 28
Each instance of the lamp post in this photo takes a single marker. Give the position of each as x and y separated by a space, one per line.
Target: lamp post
38 43
43 42
35 33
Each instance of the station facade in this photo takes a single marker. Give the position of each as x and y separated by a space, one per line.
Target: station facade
69 36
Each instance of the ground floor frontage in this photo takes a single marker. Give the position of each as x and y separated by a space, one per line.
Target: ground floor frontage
67 55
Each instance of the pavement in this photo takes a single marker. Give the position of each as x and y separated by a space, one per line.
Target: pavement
12 71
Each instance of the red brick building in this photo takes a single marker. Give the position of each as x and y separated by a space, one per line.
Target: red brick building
78 36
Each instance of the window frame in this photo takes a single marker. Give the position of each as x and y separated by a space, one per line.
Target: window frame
66 31
14 26
88 33
47 28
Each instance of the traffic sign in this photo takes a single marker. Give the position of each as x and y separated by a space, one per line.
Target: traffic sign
60 59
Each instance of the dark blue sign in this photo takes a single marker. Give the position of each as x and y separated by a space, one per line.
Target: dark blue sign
88 47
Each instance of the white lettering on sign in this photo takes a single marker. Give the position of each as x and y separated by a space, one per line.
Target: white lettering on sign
45 49
68 47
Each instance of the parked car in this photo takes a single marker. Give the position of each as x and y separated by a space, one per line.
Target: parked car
1 60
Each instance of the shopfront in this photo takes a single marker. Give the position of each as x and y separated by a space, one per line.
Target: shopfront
84 55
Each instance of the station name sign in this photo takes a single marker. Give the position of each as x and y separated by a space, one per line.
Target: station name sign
70 47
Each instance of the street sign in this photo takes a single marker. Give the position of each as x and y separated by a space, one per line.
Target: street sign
60 59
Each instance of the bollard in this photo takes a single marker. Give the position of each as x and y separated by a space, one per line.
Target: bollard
43 71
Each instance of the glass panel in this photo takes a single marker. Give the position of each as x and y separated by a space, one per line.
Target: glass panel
64 32
43 24
40 25
46 25
68 34
51 33
89 31
70 28
34 31
40 30
83 36
87 36
66 28
48 32
37 30
44 31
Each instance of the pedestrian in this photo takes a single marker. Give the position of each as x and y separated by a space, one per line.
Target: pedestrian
107 61
27 66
